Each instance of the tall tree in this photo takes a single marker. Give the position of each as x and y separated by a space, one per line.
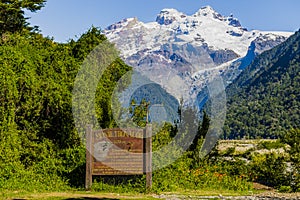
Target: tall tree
139 112
12 16
196 145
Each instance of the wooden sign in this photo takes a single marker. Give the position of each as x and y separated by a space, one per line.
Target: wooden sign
118 152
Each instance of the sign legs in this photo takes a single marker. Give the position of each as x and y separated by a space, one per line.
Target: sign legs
148 155
88 171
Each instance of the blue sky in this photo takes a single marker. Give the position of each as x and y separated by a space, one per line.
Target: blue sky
65 19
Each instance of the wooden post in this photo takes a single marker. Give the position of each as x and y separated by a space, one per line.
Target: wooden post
88 170
148 156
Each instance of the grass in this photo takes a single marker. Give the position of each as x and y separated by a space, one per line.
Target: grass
211 192
74 195
83 195
207 180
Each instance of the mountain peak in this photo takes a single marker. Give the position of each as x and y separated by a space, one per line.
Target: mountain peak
183 52
123 23
207 11
169 11
206 28
168 15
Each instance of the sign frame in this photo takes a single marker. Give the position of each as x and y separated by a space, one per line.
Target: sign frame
146 150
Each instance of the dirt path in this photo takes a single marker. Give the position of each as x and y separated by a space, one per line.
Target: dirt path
263 196
80 196
268 195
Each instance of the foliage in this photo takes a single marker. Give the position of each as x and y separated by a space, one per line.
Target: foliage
42 151
163 137
292 138
42 93
86 43
271 145
209 175
12 17
202 131
269 169
105 90
196 145
157 98
120 184
263 101
37 129
139 112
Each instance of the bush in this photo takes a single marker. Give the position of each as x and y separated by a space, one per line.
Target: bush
292 138
271 145
269 169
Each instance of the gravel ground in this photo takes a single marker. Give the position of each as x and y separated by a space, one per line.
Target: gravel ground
264 196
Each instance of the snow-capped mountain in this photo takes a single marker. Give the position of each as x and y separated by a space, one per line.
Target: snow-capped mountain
183 53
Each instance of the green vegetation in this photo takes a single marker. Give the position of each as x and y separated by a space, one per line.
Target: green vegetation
275 144
264 101
41 150
40 147
292 138
12 17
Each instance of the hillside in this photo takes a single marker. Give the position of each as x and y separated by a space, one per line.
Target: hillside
264 100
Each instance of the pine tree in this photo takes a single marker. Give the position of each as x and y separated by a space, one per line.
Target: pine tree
12 17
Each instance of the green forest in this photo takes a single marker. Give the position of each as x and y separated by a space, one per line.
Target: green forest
264 100
41 149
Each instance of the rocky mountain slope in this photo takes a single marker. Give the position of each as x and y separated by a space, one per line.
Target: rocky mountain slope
183 53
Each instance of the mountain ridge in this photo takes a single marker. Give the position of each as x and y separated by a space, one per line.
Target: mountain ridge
195 48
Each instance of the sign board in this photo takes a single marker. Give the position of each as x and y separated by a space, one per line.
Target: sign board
118 152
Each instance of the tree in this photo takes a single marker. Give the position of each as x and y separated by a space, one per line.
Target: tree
139 112
292 138
195 147
87 43
12 17
38 136
201 133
